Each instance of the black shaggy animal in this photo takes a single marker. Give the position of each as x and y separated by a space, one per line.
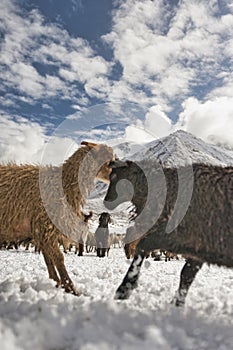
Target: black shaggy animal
102 235
203 234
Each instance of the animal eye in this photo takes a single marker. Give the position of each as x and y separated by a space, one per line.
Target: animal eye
113 176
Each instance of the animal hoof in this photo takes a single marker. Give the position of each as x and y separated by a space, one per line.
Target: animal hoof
76 293
178 302
72 291
122 293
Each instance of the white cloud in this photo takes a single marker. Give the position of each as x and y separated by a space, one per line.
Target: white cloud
169 50
22 141
157 122
29 39
25 142
167 53
212 120
155 125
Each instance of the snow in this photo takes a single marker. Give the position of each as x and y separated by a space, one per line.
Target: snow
35 314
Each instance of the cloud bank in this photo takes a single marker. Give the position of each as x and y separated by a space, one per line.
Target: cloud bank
173 59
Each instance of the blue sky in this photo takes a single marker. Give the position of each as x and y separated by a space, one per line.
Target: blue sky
60 58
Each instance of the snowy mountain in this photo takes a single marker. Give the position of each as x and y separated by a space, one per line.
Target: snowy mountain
125 150
182 148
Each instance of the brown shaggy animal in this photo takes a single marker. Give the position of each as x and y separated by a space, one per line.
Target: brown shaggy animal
39 203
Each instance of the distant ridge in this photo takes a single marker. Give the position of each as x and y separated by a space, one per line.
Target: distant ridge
177 149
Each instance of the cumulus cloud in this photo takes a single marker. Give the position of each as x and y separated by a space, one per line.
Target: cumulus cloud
157 122
22 141
29 40
169 50
167 57
25 142
212 120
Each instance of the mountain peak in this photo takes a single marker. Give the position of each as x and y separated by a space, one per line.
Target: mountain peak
181 148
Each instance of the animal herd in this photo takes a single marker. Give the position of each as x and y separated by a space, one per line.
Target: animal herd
34 210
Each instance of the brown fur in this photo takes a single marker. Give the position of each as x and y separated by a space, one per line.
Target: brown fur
23 215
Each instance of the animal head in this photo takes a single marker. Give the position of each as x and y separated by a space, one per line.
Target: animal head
86 217
103 154
120 188
105 218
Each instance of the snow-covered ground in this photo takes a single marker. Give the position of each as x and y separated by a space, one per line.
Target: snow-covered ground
35 315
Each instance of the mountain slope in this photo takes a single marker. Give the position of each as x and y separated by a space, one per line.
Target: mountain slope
182 148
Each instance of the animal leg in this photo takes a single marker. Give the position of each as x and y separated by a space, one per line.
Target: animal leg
187 276
50 266
66 282
130 281
104 251
80 249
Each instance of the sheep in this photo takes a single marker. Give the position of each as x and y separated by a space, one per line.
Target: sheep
83 238
90 242
120 238
116 240
33 206
205 234
156 254
102 235
169 255
27 242
67 243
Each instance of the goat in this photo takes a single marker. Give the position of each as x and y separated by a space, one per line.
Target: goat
205 234
102 235
33 207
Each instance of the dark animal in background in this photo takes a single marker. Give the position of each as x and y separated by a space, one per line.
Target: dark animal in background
102 235
205 233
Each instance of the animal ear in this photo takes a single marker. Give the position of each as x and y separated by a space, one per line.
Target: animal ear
89 144
117 164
